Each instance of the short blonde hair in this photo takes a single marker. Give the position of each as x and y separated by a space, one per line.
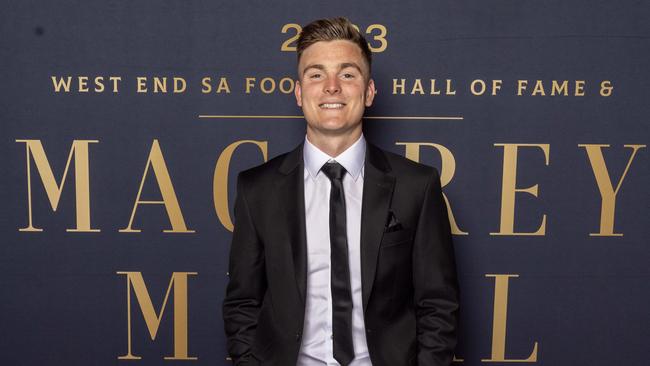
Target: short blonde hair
333 29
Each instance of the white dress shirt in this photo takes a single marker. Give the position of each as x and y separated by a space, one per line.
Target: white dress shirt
317 343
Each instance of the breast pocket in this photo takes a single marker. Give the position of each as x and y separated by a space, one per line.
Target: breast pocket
396 238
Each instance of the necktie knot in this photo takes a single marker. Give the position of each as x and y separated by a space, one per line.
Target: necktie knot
333 170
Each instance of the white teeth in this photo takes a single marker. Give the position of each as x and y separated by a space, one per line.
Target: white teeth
331 105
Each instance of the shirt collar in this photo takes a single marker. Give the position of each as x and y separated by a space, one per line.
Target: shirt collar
351 159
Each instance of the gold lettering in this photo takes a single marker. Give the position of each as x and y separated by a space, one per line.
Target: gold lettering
142 84
560 89
396 86
381 37
449 90
283 88
115 80
82 182
606 88
160 85
152 320
447 170
220 179
433 88
179 85
496 86
499 321
83 84
509 189
61 83
99 84
521 86
169 199
250 83
205 82
481 83
539 88
270 89
223 86
580 88
417 87
286 45
607 191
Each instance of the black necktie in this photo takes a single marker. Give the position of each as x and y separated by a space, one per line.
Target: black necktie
340 269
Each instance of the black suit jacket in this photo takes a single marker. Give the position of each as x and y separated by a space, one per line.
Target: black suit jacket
408 271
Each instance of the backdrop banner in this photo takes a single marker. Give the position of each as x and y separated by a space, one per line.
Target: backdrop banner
125 124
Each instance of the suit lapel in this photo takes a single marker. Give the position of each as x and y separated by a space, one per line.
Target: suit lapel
291 198
378 188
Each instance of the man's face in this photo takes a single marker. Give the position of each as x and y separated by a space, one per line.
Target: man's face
332 90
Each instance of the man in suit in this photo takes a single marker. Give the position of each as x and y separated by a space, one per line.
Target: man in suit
341 253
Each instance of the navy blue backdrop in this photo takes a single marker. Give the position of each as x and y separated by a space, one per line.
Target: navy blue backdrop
124 125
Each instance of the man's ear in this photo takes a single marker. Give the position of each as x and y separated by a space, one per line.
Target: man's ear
370 92
297 91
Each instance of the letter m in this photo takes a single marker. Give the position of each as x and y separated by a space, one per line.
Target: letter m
79 150
152 319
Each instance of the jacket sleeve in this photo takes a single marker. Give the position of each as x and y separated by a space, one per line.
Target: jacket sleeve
247 282
435 280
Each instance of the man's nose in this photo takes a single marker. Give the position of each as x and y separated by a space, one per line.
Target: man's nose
332 86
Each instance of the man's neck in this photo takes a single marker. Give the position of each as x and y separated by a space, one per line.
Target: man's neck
333 145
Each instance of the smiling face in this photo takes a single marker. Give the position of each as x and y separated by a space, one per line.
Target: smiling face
334 88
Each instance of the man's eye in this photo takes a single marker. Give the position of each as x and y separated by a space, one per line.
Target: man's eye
348 76
315 76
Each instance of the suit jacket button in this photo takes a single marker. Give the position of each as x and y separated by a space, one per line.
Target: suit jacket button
368 330
297 337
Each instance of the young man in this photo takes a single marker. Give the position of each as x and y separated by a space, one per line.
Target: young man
342 252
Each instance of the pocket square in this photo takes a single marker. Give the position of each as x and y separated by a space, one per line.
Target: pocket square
392 224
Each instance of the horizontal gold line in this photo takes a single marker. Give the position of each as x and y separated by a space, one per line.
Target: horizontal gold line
417 117
240 116
423 118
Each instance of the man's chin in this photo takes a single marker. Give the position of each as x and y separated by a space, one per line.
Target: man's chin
338 124
336 130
